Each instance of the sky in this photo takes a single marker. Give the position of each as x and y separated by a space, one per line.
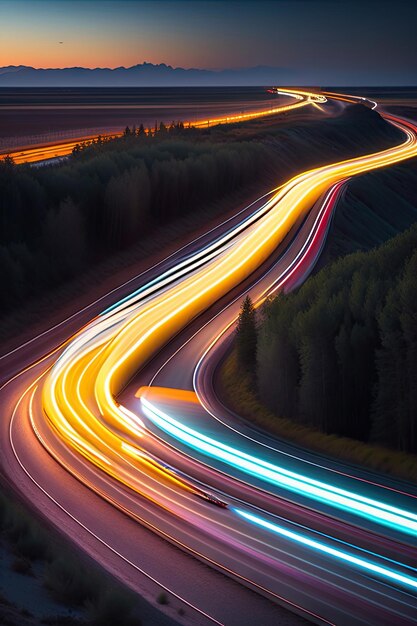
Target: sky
315 41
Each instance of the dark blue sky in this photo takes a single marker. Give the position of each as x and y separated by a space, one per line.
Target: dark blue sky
314 41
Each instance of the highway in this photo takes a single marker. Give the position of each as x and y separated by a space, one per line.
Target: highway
53 151
118 422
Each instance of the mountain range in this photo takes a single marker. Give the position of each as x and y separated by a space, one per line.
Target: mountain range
141 75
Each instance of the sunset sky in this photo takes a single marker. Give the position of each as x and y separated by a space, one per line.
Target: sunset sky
316 40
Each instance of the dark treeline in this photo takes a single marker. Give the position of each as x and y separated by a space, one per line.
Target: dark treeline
57 221
246 336
340 354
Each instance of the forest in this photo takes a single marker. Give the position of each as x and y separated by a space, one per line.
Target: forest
340 354
57 221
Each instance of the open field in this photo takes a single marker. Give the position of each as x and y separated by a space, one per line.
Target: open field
31 116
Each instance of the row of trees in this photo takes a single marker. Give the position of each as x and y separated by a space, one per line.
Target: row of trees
160 131
55 221
340 354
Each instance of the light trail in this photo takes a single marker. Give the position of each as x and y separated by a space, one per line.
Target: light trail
32 390
372 509
142 331
79 392
62 149
319 546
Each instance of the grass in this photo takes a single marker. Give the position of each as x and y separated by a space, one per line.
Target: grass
22 566
236 391
61 620
26 538
68 577
114 607
66 584
162 598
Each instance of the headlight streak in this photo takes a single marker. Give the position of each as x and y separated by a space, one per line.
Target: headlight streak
110 443
191 262
108 400
32 390
146 523
173 274
374 568
279 283
255 249
348 501
118 288
78 394
199 555
106 404
200 258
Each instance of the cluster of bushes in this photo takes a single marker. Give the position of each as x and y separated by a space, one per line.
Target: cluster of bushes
67 577
340 354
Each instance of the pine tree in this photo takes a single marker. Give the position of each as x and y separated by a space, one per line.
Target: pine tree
278 368
8 161
246 337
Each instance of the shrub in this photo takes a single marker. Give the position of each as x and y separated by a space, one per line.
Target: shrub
162 598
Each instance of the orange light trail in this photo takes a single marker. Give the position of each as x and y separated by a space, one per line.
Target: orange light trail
64 148
79 393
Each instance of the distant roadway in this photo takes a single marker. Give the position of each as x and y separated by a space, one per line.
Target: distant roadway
50 151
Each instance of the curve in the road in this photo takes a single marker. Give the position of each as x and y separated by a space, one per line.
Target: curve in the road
92 434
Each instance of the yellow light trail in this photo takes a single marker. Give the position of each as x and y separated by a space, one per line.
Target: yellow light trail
108 448
79 393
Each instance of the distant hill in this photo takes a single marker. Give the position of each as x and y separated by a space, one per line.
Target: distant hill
141 75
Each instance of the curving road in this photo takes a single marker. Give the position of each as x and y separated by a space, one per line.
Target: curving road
89 438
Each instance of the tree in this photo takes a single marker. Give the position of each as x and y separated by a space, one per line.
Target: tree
7 161
126 206
64 239
278 369
246 336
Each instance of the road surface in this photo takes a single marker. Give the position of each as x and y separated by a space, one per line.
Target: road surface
101 447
